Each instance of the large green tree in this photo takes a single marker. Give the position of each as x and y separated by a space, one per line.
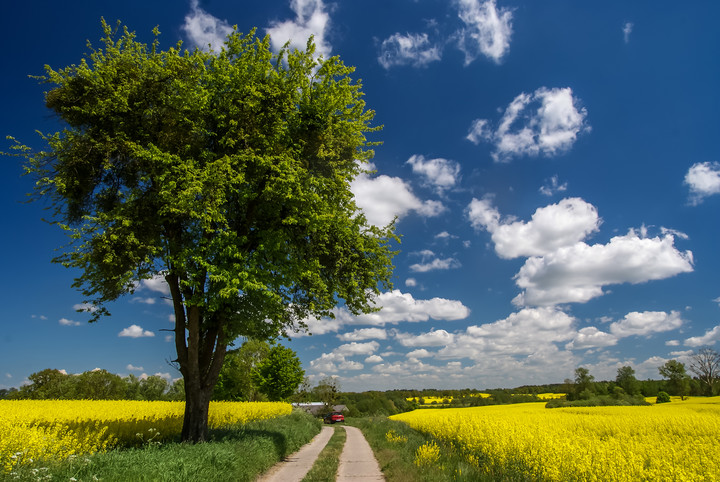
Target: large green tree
280 374
226 173
678 381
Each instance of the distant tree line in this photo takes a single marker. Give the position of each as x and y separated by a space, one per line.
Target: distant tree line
254 372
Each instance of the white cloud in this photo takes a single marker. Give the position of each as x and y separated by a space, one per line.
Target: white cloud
421 353
627 30
435 264
354 348
374 359
703 178
709 338
487 30
440 173
529 331
157 283
551 227
85 307
578 273
591 337
383 198
335 360
130 367
311 19
364 334
546 122
203 29
410 282
145 301
646 323
395 307
410 49
672 343
66 322
552 187
135 331
431 338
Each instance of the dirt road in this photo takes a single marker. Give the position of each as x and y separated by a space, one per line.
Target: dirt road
357 461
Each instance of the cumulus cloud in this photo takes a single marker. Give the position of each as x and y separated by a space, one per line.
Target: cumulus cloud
440 173
157 283
546 122
431 338
135 331
364 334
395 307
551 227
410 49
66 322
435 264
578 273
487 30
204 30
709 338
130 367
311 19
374 359
410 282
336 359
646 323
703 179
420 353
383 198
591 337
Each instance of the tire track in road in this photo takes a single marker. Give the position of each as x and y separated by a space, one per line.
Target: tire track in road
296 466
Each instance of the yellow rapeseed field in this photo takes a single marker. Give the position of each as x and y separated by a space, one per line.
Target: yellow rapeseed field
56 429
675 441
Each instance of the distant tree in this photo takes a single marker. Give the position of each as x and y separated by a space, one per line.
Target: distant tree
226 173
236 381
705 363
153 388
583 388
48 384
327 391
176 392
678 382
626 380
132 387
280 374
99 385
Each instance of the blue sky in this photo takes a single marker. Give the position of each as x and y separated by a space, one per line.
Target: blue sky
554 168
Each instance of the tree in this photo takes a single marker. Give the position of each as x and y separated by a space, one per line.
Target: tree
236 381
227 174
678 382
626 380
705 363
327 391
99 385
280 374
583 388
48 384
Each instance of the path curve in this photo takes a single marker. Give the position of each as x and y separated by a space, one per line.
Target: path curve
296 466
357 461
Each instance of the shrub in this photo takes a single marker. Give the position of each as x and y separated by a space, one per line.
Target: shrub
662 397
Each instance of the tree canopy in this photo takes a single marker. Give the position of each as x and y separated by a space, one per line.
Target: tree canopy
228 174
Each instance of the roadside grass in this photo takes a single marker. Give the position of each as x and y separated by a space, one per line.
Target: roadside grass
326 466
240 454
397 453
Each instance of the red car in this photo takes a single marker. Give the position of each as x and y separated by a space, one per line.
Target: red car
333 417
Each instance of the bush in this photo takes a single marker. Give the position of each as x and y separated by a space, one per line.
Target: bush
662 397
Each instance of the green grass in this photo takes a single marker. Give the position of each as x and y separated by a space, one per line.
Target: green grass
239 454
326 465
397 459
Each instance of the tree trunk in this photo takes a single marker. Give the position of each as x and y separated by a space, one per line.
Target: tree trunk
197 407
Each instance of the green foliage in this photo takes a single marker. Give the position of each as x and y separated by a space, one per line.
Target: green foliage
662 397
227 174
236 381
678 382
617 399
626 380
279 374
